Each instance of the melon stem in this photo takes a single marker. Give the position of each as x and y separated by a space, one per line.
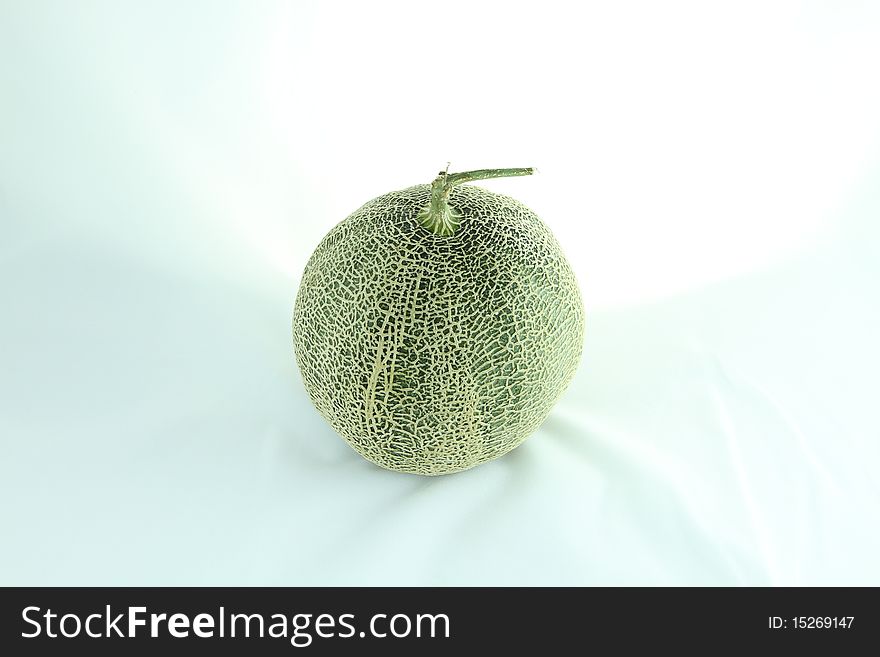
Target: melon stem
441 218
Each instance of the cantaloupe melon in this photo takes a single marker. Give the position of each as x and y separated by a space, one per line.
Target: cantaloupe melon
436 326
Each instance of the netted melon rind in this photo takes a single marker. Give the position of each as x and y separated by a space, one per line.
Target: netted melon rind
433 354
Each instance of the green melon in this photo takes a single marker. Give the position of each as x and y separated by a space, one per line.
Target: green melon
436 326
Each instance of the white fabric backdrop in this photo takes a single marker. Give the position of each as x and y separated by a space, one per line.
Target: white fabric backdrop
166 170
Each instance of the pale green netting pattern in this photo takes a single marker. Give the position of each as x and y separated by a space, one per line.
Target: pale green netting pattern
433 354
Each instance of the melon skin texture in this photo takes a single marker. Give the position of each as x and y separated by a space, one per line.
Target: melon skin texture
429 353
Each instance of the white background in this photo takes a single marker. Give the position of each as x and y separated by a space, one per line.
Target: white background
711 170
